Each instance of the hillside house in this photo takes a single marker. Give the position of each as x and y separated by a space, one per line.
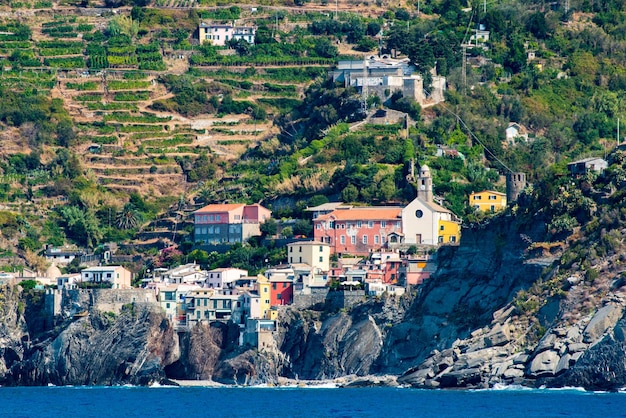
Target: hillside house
117 276
219 34
62 255
314 253
222 278
488 201
581 167
515 131
383 76
229 223
357 230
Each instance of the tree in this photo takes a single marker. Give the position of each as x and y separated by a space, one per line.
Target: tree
303 227
81 225
269 227
350 193
287 232
128 217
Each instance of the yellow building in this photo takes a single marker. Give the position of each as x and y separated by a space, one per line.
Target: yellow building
488 201
449 231
263 287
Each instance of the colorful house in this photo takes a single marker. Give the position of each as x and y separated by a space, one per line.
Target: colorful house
229 223
488 201
358 230
281 290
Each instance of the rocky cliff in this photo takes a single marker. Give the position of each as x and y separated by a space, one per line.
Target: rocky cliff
97 349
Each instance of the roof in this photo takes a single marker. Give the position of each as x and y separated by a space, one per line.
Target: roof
435 207
369 213
220 207
325 206
587 160
100 268
308 243
491 191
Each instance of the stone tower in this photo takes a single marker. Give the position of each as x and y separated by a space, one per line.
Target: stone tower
425 184
515 183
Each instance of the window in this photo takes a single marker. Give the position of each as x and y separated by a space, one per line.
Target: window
237 217
440 240
321 249
217 217
210 217
265 289
370 224
279 296
398 224
441 228
109 275
274 286
452 238
359 224
321 259
419 213
217 229
376 239
382 239
290 249
342 239
300 249
492 197
364 239
353 239
493 208
383 224
343 226
167 305
477 197
318 226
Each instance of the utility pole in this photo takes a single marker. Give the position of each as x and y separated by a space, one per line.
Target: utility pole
464 66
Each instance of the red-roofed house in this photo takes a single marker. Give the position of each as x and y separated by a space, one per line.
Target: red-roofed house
362 230
228 223
358 230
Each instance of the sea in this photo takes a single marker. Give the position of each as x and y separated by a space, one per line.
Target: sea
310 402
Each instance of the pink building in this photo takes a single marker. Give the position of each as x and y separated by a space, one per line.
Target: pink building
359 230
229 223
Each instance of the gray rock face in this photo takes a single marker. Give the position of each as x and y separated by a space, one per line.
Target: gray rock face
100 350
602 321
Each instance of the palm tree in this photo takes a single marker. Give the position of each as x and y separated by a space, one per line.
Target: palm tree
128 217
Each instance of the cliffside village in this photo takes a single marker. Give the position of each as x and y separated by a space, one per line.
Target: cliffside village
374 251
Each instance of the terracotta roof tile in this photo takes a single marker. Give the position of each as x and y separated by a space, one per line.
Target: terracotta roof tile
220 207
370 213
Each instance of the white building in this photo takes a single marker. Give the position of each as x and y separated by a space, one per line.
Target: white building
314 253
222 278
219 34
118 276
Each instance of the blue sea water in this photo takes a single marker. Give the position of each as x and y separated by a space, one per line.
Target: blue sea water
199 402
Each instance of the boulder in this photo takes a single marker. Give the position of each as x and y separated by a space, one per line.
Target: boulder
499 335
512 373
544 363
460 378
563 363
546 343
602 321
576 347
